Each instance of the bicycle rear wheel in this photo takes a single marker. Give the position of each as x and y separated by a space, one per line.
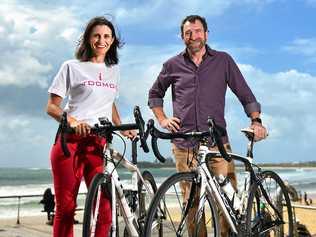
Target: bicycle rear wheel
269 211
176 214
98 190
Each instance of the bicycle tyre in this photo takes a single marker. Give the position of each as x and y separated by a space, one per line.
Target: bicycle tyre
159 211
262 219
99 186
144 202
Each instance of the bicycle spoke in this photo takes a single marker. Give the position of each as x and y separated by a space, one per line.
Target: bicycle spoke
179 212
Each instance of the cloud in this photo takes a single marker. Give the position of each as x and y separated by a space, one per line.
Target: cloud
25 140
31 40
148 14
311 3
30 100
150 11
304 46
284 96
139 72
30 71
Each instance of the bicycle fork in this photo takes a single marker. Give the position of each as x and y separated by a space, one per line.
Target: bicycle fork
127 214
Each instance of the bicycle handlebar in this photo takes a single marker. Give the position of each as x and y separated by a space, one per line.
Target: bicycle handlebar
106 129
214 131
155 134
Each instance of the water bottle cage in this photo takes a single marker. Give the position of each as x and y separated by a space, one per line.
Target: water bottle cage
229 200
229 205
224 182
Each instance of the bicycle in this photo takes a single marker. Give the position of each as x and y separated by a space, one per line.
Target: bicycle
261 208
131 204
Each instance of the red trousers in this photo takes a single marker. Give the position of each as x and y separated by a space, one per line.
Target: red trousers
84 161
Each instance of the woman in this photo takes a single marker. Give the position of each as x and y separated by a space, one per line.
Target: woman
91 85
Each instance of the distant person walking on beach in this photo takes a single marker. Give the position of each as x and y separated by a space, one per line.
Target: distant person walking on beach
91 84
306 199
198 78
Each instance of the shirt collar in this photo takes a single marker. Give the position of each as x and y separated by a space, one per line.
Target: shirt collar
209 51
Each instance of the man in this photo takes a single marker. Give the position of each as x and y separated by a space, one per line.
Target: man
199 77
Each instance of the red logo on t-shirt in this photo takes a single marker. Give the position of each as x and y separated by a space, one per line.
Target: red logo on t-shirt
99 84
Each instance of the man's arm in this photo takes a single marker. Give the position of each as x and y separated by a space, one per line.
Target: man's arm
239 86
155 101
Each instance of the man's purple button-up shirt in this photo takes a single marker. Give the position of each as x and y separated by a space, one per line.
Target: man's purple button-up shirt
199 91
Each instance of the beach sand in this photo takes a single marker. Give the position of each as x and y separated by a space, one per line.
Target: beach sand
34 226
307 216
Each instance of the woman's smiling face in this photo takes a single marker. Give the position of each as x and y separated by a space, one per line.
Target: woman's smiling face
100 40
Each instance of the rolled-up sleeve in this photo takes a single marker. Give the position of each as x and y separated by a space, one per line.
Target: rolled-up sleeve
159 88
240 88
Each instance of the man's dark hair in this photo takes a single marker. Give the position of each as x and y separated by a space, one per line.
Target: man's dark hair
85 53
192 19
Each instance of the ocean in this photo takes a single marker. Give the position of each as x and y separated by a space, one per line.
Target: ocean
33 181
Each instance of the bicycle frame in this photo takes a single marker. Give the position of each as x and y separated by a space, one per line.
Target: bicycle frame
206 182
129 217
209 185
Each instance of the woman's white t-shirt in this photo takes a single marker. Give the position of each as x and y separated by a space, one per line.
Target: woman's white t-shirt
91 89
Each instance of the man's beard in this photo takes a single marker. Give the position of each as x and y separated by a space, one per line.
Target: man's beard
196 45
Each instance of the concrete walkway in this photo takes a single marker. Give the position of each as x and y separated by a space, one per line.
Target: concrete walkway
32 227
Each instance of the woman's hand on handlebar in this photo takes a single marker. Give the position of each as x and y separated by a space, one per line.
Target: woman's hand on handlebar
172 124
129 133
81 128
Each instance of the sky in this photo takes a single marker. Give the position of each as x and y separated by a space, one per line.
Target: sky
272 41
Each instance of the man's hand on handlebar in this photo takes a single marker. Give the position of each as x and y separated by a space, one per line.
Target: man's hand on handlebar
172 124
259 130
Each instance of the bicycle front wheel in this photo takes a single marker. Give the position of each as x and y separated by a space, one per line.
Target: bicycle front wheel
269 211
146 191
145 197
176 213
94 206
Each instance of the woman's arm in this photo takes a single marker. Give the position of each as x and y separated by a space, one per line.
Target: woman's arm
54 110
53 107
117 121
115 115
